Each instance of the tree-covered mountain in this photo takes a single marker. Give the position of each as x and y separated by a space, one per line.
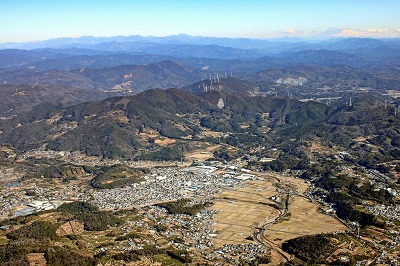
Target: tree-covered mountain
117 127
18 99
221 72
224 85
311 80
130 78
301 68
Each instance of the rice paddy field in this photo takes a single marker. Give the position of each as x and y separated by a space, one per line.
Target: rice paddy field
243 209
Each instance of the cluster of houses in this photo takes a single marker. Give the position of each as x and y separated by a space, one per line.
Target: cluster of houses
166 184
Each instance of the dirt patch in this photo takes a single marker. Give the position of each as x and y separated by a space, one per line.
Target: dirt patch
36 259
208 133
202 154
360 139
105 182
70 228
164 142
317 146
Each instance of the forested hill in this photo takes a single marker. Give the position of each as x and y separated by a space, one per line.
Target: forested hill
115 127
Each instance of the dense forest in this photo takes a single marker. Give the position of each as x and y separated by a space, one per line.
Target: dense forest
107 177
312 249
183 207
90 216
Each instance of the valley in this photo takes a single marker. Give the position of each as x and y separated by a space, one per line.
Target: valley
247 212
188 151
237 208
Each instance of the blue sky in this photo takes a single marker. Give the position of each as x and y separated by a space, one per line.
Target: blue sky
27 20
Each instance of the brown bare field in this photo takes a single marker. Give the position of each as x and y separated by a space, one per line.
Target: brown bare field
202 154
164 141
54 118
5 149
240 210
256 191
118 115
181 126
316 146
209 133
305 219
296 183
105 182
70 228
148 133
36 259
360 139
236 219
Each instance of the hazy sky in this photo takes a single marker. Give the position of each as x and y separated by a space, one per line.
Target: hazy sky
26 20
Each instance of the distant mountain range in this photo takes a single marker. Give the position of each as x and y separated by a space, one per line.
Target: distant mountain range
69 71
126 78
19 99
222 85
169 44
218 54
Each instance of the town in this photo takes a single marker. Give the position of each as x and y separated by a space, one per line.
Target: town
208 181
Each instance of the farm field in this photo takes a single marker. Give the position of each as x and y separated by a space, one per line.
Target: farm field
243 209
237 219
202 154
304 219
